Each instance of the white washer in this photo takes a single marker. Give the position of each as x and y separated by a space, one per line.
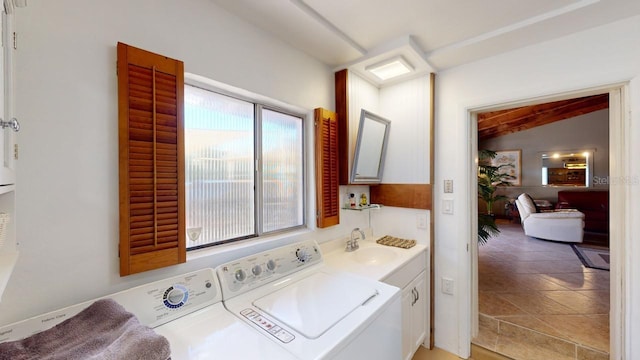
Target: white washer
312 311
186 309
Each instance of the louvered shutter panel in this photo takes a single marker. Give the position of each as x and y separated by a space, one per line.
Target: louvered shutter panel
151 143
327 199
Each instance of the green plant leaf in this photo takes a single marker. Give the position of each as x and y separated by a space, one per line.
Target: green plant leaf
487 228
489 179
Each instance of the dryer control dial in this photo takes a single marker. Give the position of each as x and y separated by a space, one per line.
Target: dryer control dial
240 275
256 270
302 255
271 265
175 296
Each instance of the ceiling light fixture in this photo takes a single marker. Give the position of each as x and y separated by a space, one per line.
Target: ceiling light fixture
390 68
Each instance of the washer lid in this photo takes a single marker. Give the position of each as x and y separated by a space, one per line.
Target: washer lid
214 333
314 304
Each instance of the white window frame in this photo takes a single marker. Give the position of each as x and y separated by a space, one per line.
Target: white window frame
260 103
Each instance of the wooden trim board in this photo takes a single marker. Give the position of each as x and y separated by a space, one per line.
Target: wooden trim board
413 196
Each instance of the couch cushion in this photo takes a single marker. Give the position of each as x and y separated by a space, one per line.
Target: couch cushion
559 214
526 205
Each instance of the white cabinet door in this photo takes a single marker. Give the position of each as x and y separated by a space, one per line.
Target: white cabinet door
407 338
419 311
8 248
7 135
412 279
414 315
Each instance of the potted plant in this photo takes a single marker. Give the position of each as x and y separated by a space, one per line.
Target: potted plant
489 178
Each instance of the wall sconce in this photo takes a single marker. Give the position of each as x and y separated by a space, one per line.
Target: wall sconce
390 68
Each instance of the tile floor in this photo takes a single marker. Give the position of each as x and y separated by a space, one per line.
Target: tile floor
537 300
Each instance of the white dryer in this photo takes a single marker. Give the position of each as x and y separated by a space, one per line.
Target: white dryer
312 311
186 309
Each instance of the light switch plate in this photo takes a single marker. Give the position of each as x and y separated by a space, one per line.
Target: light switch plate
447 286
447 206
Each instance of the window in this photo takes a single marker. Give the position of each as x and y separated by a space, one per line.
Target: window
244 168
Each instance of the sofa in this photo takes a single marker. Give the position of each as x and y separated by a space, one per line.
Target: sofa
594 204
561 225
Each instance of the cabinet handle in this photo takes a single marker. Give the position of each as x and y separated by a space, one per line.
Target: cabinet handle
414 292
417 295
13 124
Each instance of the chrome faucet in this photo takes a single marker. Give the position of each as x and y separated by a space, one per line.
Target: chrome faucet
352 243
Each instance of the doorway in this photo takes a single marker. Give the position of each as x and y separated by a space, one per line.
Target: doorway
616 151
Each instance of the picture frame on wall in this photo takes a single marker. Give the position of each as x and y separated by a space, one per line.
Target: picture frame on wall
513 161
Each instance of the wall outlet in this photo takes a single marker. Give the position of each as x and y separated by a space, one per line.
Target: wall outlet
421 221
447 286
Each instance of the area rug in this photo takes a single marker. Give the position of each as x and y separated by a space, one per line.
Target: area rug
592 257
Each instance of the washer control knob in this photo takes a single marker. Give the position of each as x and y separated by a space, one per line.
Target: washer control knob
302 255
240 275
271 265
175 296
256 270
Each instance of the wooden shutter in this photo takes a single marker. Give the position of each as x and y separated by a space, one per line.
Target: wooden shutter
151 143
327 199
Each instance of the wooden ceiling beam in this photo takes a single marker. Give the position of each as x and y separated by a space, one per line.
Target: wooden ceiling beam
533 110
497 123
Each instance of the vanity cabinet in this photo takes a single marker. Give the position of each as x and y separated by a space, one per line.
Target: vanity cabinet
412 279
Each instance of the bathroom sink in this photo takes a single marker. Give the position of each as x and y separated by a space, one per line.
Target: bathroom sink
374 255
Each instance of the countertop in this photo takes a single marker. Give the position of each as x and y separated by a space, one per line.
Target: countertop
374 264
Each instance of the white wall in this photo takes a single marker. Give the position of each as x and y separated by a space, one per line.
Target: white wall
408 155
597 57
67 193
66 91
406 105
362 95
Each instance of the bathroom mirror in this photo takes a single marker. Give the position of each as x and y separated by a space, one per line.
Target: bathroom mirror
371 147
567 168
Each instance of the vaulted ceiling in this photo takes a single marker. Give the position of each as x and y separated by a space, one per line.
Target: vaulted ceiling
498 123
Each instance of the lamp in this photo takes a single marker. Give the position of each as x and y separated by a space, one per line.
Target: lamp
390 68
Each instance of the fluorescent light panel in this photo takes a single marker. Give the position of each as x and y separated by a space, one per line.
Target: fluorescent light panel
390 68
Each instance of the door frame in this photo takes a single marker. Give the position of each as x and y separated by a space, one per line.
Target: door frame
619 150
